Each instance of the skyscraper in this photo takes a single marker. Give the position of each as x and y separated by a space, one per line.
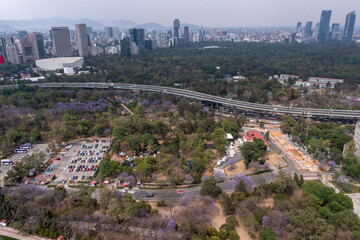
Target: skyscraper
12 54
324 26
186 34
137 35
149 44
40 44
214 33
108 32
335 29
61 36
293 37
6 41
161 40
125 47
298 27
349 26
169 35
116 32
82 39
29 48
308 29
112 32
317 26
176 29
89 30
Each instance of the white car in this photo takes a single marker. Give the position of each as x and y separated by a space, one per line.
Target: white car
131 191
123 190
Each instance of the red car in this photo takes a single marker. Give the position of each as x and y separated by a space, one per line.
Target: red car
181 191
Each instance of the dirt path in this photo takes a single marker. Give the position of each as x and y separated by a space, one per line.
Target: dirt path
219 219
13 233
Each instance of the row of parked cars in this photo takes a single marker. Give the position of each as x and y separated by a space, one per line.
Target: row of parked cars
82 177
95 146
80 168
86 160
97 141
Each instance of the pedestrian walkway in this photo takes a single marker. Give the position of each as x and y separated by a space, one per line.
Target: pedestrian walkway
13 233
326 182
355 197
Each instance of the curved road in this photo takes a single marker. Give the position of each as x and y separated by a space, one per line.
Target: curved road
203 97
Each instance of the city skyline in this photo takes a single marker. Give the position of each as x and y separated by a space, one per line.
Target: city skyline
207 13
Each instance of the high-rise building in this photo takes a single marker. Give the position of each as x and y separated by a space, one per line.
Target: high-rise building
125 47
21 34
349 27
137 35
186 34
153 34
202 35
6 41
93 35
82 39
298 27
293 37
51 35
316 33
61 36
112 32
335 30
308 29
116 32
40 45
108 32
161 40
214 33
12 54
134 49
324 26
149 45
2 49
29 48
88 30
176 29
169 35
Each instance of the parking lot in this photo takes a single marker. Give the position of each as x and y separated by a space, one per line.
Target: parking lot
79 160
16 157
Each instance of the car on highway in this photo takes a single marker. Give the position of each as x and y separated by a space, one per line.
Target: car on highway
181 192
131 191
149 194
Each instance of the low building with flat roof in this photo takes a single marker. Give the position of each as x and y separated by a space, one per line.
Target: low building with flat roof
53 64
323 82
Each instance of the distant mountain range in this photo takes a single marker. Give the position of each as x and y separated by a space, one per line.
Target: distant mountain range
47 23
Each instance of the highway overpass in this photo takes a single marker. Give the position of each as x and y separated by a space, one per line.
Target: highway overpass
240 105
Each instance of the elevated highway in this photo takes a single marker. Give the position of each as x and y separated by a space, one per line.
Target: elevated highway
332 113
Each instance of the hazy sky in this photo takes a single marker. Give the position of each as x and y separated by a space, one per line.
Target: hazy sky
217 13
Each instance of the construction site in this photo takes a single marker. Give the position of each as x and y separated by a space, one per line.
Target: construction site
302 159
